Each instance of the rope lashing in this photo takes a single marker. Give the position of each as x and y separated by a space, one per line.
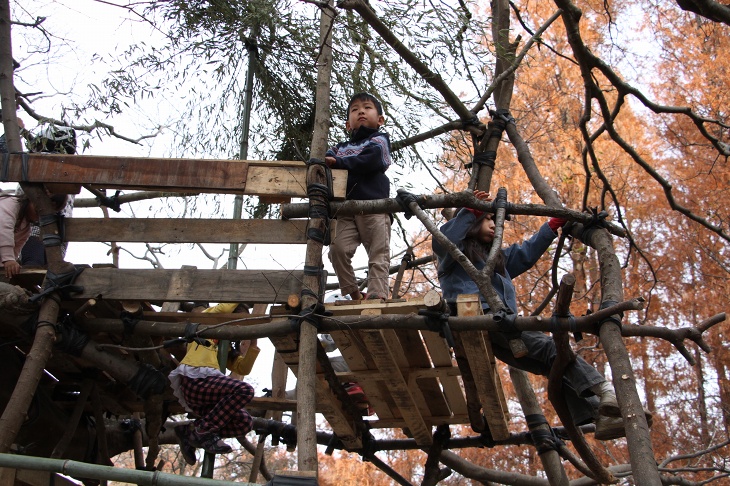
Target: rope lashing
320 196
53 239
71 340
545 440
572 325
598 221
500 119
129 321
505 319
438 322
190 336
62 283
110 202
486 158
616 320
147 381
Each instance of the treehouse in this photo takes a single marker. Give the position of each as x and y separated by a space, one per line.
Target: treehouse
85 358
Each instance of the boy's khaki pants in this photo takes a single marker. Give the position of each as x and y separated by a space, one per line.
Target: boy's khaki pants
373 232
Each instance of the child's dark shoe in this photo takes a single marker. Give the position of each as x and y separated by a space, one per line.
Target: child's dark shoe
186 448
209 442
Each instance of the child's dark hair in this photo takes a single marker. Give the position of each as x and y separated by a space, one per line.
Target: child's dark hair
365 97
476 250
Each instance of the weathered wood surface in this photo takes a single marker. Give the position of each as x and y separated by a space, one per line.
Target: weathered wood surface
326 402
478 349
280 178
250 286
159 230
385 359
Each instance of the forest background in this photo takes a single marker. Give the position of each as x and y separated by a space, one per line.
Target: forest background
175 71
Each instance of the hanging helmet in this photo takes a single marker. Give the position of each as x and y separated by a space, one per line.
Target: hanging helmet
54 139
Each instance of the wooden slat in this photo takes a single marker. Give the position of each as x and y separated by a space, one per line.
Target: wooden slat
251 286
478 350
353 349
441 357
174 175
417 357
433 421
387 307
327 403
386 362
159 230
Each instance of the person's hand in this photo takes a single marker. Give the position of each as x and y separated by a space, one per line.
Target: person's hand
12 268
330 161
482 195
556 223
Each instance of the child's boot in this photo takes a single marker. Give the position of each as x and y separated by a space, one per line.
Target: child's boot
608 405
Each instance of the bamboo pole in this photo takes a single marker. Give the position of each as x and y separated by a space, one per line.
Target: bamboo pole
78 469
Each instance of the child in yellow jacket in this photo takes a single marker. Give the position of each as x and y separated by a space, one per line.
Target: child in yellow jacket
216 398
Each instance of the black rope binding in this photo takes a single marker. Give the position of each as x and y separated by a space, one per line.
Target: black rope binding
544 440
53 239
130 322
191 336
110 202
72 339
486 158
62 283
320 196
438 322
500 119
506 321
572 325
147 381
598 221
616 320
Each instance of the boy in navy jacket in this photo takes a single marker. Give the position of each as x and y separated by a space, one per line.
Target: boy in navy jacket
366 157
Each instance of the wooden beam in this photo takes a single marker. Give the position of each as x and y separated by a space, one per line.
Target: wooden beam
386 362
250 286
159 230
441 356
173 175
478 350
327 402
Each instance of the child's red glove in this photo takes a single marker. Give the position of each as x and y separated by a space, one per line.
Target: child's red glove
475 212
556 223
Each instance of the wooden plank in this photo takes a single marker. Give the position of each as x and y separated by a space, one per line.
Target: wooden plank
385 360
289 181
251 286
159 230
416 356
327 403
358 358
173 175
416 373
441 357
387 307
478 350
433 421
7 476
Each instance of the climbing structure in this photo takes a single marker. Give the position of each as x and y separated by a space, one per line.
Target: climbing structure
110 326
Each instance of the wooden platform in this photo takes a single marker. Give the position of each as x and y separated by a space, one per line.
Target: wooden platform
409 377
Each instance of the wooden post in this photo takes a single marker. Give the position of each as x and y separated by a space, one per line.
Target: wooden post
307 370
45 335
530 406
